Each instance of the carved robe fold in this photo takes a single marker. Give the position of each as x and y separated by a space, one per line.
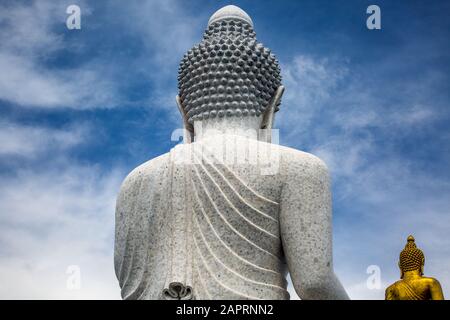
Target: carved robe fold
189 227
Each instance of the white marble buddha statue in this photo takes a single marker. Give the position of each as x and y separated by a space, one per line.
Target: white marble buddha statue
227 213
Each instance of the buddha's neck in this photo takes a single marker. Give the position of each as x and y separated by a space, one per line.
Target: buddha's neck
242 126
411 274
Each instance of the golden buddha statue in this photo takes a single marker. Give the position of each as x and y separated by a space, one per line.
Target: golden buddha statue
413 285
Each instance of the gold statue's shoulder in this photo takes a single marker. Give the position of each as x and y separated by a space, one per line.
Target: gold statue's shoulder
393 286
430 280
391 291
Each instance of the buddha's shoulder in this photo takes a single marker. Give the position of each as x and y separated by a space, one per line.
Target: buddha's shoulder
394 286
429 280
146 171
392 290
302 162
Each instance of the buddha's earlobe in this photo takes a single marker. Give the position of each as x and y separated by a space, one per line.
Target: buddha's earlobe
422 267
188 128
401 271
269 115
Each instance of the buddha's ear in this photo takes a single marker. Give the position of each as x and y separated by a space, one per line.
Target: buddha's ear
422 267
269 115
401 271
187 127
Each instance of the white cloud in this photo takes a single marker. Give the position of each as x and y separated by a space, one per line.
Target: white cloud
167 30
51 220
309 84
26 29
55 215
26 83
31 141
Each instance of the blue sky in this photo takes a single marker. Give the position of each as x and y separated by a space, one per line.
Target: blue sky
79 109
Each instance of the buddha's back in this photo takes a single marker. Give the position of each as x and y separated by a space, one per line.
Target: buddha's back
203 221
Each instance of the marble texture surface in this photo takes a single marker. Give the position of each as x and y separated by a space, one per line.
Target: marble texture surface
223 229
230 12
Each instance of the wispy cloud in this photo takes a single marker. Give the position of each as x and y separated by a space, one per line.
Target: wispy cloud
166 28
309 83
31 34
54 216
52 219
27 141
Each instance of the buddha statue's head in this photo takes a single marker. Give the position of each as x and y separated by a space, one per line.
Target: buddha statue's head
411 258
229 74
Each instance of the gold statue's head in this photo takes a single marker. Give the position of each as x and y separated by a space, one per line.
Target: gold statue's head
411 258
